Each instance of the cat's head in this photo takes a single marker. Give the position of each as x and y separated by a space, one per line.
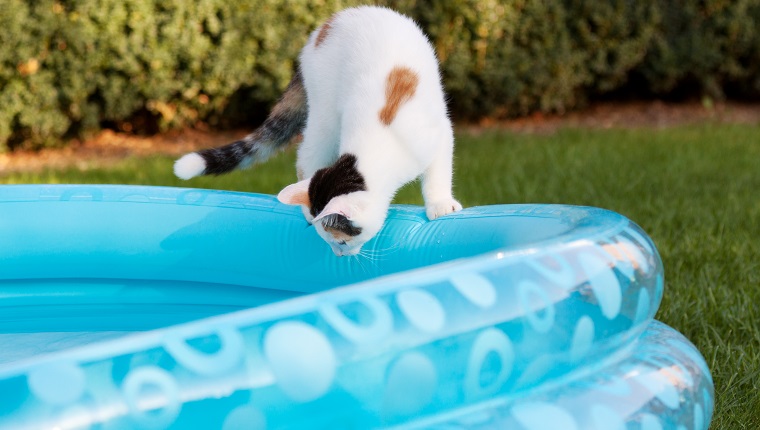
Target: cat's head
336 202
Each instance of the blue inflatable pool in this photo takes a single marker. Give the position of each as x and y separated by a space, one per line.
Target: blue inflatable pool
142 307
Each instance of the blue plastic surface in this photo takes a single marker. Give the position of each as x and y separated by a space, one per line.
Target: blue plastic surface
143 307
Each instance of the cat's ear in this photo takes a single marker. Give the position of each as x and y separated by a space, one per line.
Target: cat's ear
337 206
296 194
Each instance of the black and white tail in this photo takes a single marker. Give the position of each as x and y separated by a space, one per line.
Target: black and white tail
288 118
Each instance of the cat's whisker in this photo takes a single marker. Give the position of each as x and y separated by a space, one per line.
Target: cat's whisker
376 255
357 258
380 236
369 253
358 262
383 252
369 259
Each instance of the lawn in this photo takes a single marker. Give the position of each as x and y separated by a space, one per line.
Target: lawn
695 190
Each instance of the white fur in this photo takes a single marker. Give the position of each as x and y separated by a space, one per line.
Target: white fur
189 166
345 80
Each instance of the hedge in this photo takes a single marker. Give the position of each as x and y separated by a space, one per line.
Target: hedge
712 46
68 67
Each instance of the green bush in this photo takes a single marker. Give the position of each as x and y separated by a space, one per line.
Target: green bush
29 104
710 45
508 58
502 58
68 67
612 37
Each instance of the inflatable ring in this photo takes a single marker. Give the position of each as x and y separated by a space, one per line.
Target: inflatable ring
147 307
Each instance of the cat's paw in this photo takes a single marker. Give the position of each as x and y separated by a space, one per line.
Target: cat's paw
441 208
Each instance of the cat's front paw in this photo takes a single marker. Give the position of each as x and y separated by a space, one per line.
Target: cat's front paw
441 208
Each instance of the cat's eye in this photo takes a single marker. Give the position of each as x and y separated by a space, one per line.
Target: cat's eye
342 242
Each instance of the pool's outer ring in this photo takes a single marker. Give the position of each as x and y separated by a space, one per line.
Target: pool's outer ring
607 240
662 382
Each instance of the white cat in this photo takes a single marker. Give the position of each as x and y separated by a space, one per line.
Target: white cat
369 101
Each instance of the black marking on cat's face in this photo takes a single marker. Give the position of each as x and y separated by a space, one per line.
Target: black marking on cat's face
341 178
337 223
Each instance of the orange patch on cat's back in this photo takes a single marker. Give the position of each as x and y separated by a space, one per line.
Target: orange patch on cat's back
400 87
324 31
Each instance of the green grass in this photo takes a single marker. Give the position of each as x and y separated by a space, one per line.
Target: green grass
695 190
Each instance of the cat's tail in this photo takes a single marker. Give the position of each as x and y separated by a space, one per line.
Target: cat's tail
288 118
